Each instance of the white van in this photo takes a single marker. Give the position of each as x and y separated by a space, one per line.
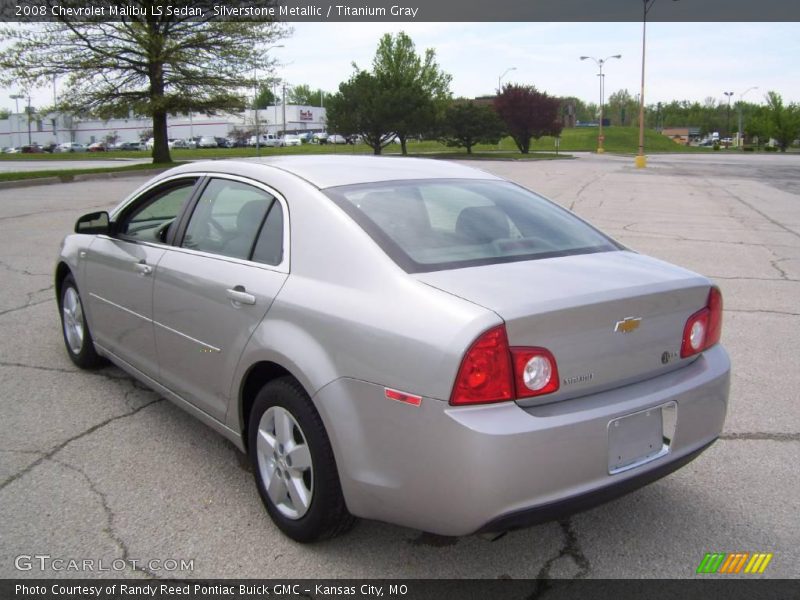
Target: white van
265 139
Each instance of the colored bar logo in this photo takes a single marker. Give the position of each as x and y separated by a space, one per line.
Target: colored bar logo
734 562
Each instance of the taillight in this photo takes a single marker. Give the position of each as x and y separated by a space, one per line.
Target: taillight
704 328
536 372
485 373
493 372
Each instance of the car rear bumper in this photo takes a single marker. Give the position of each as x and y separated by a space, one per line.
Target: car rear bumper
457 470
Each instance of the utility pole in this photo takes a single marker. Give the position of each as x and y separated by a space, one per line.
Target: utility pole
728 118
284 109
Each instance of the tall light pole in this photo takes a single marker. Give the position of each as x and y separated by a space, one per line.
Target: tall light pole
728 117
16 98
255 99
641 160
500 79
740 137
600 62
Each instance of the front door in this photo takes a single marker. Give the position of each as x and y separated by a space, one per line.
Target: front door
120 273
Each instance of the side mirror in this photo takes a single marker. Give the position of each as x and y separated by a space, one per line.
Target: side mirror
94 223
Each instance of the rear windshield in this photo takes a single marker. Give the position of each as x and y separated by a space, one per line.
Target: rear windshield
431 225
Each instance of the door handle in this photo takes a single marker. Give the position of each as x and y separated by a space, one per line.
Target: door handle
143 268
239 295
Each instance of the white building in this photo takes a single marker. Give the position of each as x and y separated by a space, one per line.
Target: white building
55 128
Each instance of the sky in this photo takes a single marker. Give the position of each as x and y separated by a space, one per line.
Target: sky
690 61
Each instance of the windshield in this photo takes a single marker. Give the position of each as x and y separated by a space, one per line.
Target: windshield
430 225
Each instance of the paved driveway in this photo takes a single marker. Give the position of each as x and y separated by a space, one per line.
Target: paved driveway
92 465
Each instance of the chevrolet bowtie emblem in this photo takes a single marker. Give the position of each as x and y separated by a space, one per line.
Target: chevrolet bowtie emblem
627 325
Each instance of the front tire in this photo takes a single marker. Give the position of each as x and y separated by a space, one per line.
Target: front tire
293 463
77 338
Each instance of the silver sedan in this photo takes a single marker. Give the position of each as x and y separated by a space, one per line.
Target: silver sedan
398 339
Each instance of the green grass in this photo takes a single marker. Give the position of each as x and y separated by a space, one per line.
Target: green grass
618 139
68 174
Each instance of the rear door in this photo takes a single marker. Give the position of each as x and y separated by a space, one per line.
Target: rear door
214 287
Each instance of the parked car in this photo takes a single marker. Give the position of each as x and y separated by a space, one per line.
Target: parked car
223 142
70 147
265 139
436 347
148 145
97 147
336 139
130 146
289 140
177 144
320 138
305 137
31 149
207 141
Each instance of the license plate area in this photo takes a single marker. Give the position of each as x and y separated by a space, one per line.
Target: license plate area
640 437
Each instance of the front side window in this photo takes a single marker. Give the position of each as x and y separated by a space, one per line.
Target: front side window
228 220
151 216
430 225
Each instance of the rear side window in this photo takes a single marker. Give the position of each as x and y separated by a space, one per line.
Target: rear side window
441 224
227 219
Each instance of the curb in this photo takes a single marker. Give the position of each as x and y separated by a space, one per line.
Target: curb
4 185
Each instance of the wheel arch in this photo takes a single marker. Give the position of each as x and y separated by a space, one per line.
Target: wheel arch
62 271
257 376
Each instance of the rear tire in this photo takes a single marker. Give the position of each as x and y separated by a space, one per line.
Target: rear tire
293 464
77 337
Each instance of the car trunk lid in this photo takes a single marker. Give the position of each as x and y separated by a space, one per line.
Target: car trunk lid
609 319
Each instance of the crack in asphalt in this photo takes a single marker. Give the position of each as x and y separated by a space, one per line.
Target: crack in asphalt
24 306
762 310
109 529
763 214
572 549
781 272
761 436
752 278
98 373
25 272
577 197
53 451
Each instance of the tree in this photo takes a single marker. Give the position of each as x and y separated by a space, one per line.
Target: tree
265 97
527 113
362 105
467 123
781 123
303 94
622 108
424 87
4 114
155 65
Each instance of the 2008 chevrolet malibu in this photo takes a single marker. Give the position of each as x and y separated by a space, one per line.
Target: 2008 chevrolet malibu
398 339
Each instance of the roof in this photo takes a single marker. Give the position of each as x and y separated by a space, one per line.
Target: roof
324 171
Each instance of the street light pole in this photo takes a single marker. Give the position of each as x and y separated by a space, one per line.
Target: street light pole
740 137
641 160
29 121
728 116
16 98
500 79
600 62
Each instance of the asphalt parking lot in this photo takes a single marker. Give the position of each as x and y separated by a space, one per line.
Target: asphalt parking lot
92 465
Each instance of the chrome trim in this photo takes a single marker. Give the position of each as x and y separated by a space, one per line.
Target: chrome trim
175 331
283 267
188 337
122 308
